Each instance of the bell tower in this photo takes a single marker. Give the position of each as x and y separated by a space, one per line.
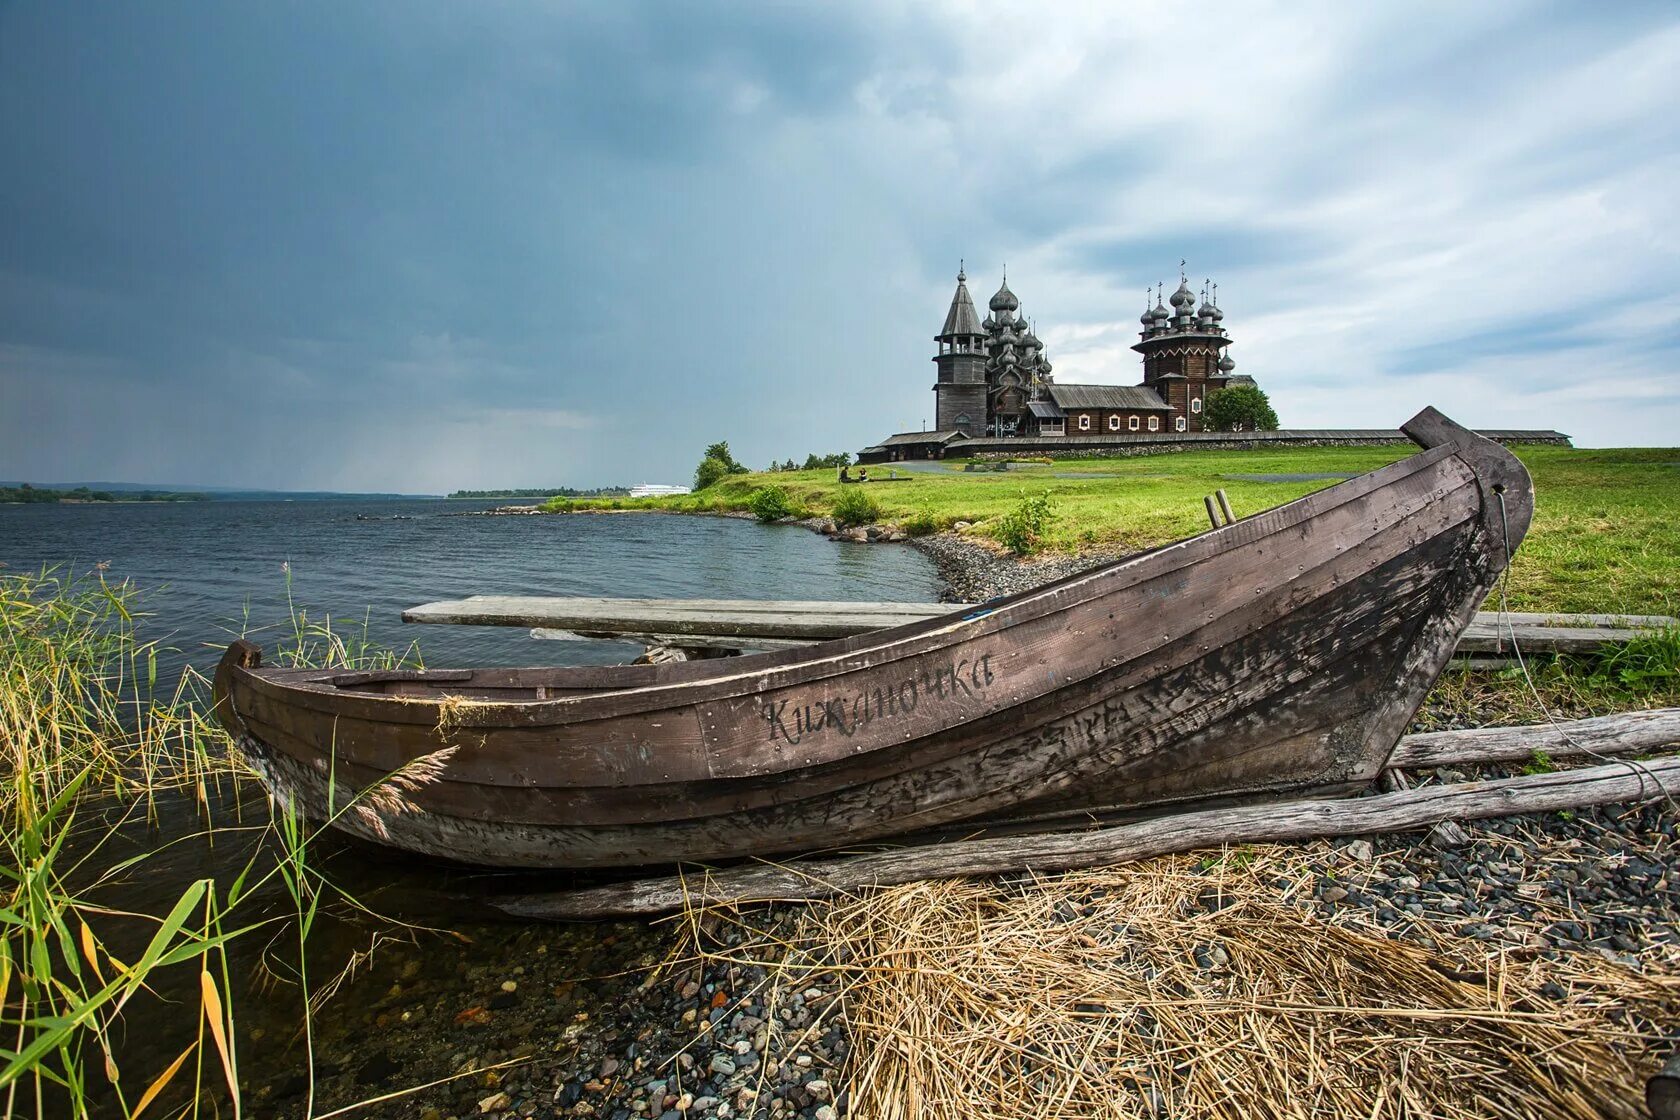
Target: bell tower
960 386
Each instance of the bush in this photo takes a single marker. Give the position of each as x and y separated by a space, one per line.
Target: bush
710 470
854 507
1022 529
770 503
922 523
715 464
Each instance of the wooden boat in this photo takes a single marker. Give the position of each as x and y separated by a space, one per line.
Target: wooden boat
1283 652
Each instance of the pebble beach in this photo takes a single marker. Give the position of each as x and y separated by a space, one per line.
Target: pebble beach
749 1014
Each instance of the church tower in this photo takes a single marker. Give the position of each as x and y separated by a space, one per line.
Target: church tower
1183 352
960 390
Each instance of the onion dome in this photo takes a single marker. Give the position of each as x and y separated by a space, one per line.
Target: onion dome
988 324
1183 299
1148 316
1226 364
1031 339
1161 313
1218 314
1206 311
1005 300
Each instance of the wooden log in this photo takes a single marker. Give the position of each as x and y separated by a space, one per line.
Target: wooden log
1297 820
1625 733
1212 510
1486 634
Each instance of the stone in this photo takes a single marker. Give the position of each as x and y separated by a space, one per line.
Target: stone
819 1089
510 985
1360 851
721 1064
826 1112
1448 834
1332 894
497 1102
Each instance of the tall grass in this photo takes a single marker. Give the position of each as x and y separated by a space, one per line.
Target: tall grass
88 738
82 719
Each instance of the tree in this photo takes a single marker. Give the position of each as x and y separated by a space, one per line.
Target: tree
716 463
1239 408
720 451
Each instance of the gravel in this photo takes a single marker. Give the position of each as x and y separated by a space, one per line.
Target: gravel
973 573
624 1022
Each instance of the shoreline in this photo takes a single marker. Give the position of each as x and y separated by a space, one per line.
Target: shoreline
755 1016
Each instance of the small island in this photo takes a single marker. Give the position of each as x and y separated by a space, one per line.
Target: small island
26 494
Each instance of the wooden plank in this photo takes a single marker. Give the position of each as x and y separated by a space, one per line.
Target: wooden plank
1623 733
1487 635
777 624
1297 820
720 618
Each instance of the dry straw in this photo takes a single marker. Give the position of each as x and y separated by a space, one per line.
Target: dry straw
1191 986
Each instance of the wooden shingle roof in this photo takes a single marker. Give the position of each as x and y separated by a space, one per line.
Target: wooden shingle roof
1138 398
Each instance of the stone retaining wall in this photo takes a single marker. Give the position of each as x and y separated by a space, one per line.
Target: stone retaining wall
1125 446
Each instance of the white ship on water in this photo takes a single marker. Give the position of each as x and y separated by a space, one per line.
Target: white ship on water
656 490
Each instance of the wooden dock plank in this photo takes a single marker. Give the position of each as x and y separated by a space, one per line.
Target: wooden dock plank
775 624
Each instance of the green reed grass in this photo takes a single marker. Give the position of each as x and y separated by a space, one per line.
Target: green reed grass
89 734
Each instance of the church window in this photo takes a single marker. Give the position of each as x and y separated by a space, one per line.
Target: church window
1133 425
1179 423
1114 422
963 418
1084 421
1154 423
1196 405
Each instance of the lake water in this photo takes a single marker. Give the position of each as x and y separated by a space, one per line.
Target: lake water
212 569
209 571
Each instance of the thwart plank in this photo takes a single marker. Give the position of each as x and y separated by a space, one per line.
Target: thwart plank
776 623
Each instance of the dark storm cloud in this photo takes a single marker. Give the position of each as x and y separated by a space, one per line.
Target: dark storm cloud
438 245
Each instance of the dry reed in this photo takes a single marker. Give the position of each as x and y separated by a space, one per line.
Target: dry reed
1205 987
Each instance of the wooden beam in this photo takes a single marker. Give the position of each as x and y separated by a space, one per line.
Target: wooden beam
778 623
1625 733
1296 820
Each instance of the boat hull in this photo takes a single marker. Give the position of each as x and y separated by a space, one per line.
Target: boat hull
1286 652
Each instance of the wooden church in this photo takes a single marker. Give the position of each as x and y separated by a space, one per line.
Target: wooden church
994 379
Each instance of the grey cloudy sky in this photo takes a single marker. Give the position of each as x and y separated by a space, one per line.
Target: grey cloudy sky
426 246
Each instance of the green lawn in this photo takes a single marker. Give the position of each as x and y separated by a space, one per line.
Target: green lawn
1606 533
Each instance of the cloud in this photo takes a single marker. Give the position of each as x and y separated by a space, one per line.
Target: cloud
639 229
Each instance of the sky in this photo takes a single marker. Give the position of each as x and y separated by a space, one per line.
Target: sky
425 246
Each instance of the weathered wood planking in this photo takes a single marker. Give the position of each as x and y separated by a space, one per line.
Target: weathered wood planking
715 618
1285 652
778 624
1623 733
